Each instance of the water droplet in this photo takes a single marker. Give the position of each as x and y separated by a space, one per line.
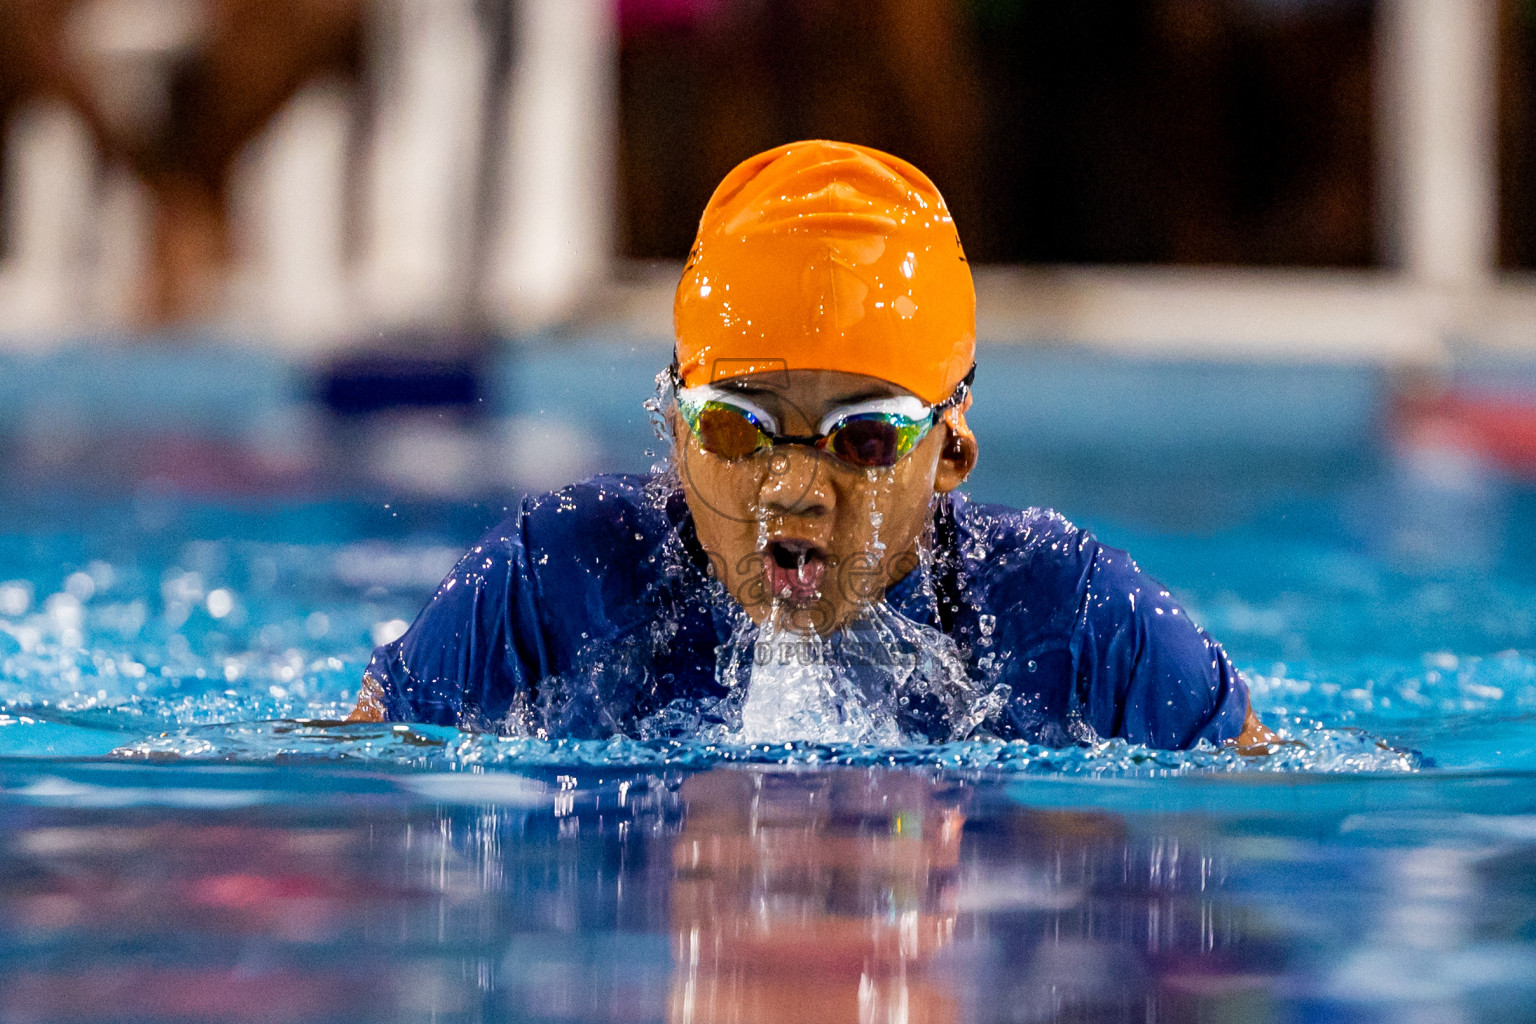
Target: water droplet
220 603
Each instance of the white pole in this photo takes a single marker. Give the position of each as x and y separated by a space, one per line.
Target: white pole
51 169
425 161
1437 69
291 228
554 236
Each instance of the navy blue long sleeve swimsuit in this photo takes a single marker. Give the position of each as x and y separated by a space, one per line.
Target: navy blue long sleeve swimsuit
600 592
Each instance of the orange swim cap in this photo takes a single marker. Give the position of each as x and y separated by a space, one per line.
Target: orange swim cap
828 256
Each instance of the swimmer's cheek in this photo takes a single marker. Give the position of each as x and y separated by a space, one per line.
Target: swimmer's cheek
370 702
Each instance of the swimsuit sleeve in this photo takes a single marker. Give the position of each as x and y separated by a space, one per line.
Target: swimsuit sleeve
1145 672
475 647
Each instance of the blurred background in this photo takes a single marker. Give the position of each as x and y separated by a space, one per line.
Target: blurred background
298 296
1224 248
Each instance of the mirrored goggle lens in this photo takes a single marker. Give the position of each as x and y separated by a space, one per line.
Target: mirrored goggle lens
726 431
876 440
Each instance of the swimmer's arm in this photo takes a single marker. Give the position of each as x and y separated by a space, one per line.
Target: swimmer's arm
1256 737
370 702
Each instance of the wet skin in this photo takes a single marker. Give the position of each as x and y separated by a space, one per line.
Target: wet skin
792 502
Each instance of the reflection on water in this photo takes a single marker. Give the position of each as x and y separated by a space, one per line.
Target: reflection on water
269 866
752 894
826 897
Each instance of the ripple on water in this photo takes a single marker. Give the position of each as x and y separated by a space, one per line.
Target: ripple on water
438 748
244 650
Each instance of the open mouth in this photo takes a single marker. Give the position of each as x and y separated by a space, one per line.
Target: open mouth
795 569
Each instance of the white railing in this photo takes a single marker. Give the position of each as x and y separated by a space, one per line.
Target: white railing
432 251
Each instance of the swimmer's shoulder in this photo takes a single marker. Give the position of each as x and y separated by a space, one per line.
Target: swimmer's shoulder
1035 555
1031 557
1032 538
593 522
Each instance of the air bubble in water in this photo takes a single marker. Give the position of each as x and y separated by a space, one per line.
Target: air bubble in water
15 598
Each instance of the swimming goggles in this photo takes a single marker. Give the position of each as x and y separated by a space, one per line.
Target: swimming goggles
868 435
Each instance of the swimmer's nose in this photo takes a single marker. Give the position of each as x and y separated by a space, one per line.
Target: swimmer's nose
795 483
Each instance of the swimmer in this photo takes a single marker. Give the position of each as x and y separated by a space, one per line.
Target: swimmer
825 351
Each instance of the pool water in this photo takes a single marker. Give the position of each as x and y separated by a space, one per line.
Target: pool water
191 836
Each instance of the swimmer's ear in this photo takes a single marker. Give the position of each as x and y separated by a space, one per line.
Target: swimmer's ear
955 462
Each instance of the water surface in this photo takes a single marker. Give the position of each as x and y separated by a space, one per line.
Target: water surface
190 836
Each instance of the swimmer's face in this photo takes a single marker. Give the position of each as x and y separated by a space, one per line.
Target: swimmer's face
797 530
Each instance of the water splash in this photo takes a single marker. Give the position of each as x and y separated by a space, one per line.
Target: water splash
881 679
874 510
416 747
799 689
181 646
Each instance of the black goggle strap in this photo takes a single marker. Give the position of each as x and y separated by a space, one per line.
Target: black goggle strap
959 395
